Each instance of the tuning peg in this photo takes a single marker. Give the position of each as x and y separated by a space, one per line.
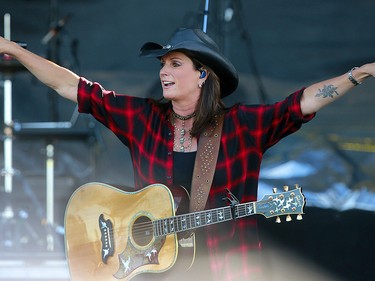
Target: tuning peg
286 188
274 190
288 218
278 220
299 217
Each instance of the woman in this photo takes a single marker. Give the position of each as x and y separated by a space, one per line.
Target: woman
163 136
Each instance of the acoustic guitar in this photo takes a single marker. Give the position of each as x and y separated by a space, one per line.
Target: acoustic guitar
111 234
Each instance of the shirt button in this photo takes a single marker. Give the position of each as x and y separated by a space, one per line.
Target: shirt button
169 153
169 177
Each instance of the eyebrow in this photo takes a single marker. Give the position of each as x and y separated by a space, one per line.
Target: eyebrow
176 56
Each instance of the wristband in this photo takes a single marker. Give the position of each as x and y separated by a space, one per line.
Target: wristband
351 78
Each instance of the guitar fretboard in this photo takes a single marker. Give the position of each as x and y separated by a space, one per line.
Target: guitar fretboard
190 221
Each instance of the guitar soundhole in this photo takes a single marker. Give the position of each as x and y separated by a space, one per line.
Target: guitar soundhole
142 231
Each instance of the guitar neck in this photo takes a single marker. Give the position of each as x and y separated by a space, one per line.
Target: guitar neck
271 205
186 222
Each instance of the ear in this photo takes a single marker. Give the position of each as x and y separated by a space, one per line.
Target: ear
203 73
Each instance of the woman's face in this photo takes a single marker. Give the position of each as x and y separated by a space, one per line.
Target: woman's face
179 78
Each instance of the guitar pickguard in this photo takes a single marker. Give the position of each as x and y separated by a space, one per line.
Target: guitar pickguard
132 258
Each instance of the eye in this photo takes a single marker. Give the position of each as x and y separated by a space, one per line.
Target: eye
176 63
162 64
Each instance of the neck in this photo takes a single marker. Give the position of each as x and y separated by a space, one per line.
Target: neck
183 117
183 109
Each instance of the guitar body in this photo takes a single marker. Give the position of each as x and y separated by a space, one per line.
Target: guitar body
109 234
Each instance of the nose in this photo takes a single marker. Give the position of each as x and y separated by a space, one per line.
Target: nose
163 72
163 69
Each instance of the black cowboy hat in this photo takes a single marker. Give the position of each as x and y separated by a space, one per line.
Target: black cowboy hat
204 49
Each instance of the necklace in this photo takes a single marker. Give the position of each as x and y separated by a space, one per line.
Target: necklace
183 118
183 138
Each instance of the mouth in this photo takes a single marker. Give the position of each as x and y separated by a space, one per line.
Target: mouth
167 84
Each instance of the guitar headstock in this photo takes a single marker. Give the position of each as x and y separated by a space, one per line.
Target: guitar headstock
288 202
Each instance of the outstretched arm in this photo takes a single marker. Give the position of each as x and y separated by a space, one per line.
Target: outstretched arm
323 93
60 79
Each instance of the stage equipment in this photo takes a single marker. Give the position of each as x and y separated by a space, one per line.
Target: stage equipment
8 68
205 16
50 131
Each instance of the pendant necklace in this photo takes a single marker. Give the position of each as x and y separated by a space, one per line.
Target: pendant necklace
184 138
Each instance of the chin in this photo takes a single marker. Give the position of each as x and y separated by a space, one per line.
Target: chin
167 95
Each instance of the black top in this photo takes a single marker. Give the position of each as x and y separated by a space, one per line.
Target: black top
183 168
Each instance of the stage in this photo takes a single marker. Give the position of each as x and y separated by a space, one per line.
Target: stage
278 48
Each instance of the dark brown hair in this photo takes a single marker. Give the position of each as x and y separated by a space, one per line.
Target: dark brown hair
209 103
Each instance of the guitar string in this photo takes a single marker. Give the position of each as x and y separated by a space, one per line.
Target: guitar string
139 229
167 221
159 224
142 227
152 226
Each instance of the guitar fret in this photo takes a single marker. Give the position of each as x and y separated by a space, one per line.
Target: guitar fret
239 211
197 219
165 227
214 216
244 210
220 215
161 227
156 227
190 221
155 224
173 225
178 225
183 223
228 213
208 217
250 208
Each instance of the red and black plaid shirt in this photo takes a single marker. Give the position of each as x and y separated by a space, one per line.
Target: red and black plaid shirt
248 131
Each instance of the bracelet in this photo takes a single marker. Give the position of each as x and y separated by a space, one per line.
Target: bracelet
351 78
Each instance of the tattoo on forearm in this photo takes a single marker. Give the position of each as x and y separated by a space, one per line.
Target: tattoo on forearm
327 91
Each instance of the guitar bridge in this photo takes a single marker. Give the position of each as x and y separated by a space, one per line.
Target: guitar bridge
106 230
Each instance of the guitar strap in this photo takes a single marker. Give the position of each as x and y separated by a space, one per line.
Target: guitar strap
204 166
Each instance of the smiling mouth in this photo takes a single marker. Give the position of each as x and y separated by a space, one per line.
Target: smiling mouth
167 84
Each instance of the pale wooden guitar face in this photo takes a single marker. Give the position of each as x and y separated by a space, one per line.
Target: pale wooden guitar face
111 234
97 251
